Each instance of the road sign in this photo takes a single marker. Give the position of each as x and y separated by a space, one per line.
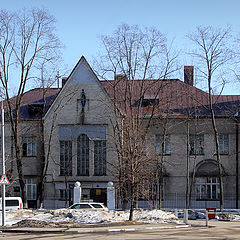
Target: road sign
4 180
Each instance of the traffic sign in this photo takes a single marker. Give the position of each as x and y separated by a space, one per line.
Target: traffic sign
4 180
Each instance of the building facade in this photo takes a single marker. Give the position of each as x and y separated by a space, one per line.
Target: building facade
77 137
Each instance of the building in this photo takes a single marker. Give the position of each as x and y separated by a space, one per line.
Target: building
76 134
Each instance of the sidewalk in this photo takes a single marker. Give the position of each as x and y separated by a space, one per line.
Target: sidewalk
128 228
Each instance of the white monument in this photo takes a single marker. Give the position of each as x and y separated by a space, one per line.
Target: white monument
77 193
110 196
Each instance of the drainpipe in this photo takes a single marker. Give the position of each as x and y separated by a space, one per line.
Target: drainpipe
237 172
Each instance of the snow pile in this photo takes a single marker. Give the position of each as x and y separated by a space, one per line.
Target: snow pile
73 216
94 216
155 216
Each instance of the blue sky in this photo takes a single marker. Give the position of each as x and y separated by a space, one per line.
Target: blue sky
81 22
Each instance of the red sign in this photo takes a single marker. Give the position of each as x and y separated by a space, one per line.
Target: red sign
4 180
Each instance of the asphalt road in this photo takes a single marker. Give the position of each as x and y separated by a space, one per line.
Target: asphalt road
218 230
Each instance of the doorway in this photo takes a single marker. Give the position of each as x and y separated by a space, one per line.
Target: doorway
99 195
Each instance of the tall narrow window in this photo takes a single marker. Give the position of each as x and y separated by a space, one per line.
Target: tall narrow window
31 188
196 144
29 147
65 158
83 155
163 144
223 144
100 158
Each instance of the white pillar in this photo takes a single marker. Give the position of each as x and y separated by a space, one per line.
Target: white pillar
110 196
77 193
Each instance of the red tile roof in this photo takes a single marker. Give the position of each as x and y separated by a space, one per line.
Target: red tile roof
171 94
35 95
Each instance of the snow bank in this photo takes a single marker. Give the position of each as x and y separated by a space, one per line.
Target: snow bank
88 216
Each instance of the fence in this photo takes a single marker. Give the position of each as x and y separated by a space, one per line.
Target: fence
171 201
177 200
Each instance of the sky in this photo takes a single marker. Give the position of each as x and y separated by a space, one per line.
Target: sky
81 22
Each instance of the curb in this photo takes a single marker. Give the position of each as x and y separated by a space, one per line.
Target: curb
69 231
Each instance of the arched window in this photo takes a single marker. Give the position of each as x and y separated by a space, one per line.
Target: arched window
207 180
83 155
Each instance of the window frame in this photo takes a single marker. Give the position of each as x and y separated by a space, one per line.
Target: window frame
223 149
100 158
208 183
65 158
29 147
83 155
195 146
62 194
31 189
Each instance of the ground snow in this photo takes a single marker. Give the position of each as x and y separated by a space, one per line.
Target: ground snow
88 216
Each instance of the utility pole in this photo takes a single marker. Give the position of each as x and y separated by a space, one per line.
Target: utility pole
3 168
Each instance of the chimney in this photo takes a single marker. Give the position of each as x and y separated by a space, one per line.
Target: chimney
64 80
188 75
119 77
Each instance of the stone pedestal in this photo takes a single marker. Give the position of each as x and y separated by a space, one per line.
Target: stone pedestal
77 193
110 196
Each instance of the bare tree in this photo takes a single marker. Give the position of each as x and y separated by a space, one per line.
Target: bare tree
134 57
213 55
26 38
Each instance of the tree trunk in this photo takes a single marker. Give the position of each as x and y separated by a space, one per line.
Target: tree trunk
216 140
43 163
131 210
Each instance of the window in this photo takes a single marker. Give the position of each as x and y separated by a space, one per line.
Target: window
100 157
223 144
29 147
81 206
65 158
66 194
31 188
196 143
207 188
163 144
83 155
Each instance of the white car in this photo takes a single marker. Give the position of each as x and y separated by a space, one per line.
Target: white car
12 203
89 205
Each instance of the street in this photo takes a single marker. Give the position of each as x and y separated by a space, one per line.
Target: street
217 230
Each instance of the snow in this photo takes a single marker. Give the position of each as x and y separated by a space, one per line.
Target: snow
87 216
77 217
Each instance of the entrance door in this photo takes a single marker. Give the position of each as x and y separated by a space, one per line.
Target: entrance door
99 195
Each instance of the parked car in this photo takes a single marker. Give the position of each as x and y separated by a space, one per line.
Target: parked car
89 205
192 215
12 203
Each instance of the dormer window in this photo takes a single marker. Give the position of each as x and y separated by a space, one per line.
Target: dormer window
149 102
146 101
